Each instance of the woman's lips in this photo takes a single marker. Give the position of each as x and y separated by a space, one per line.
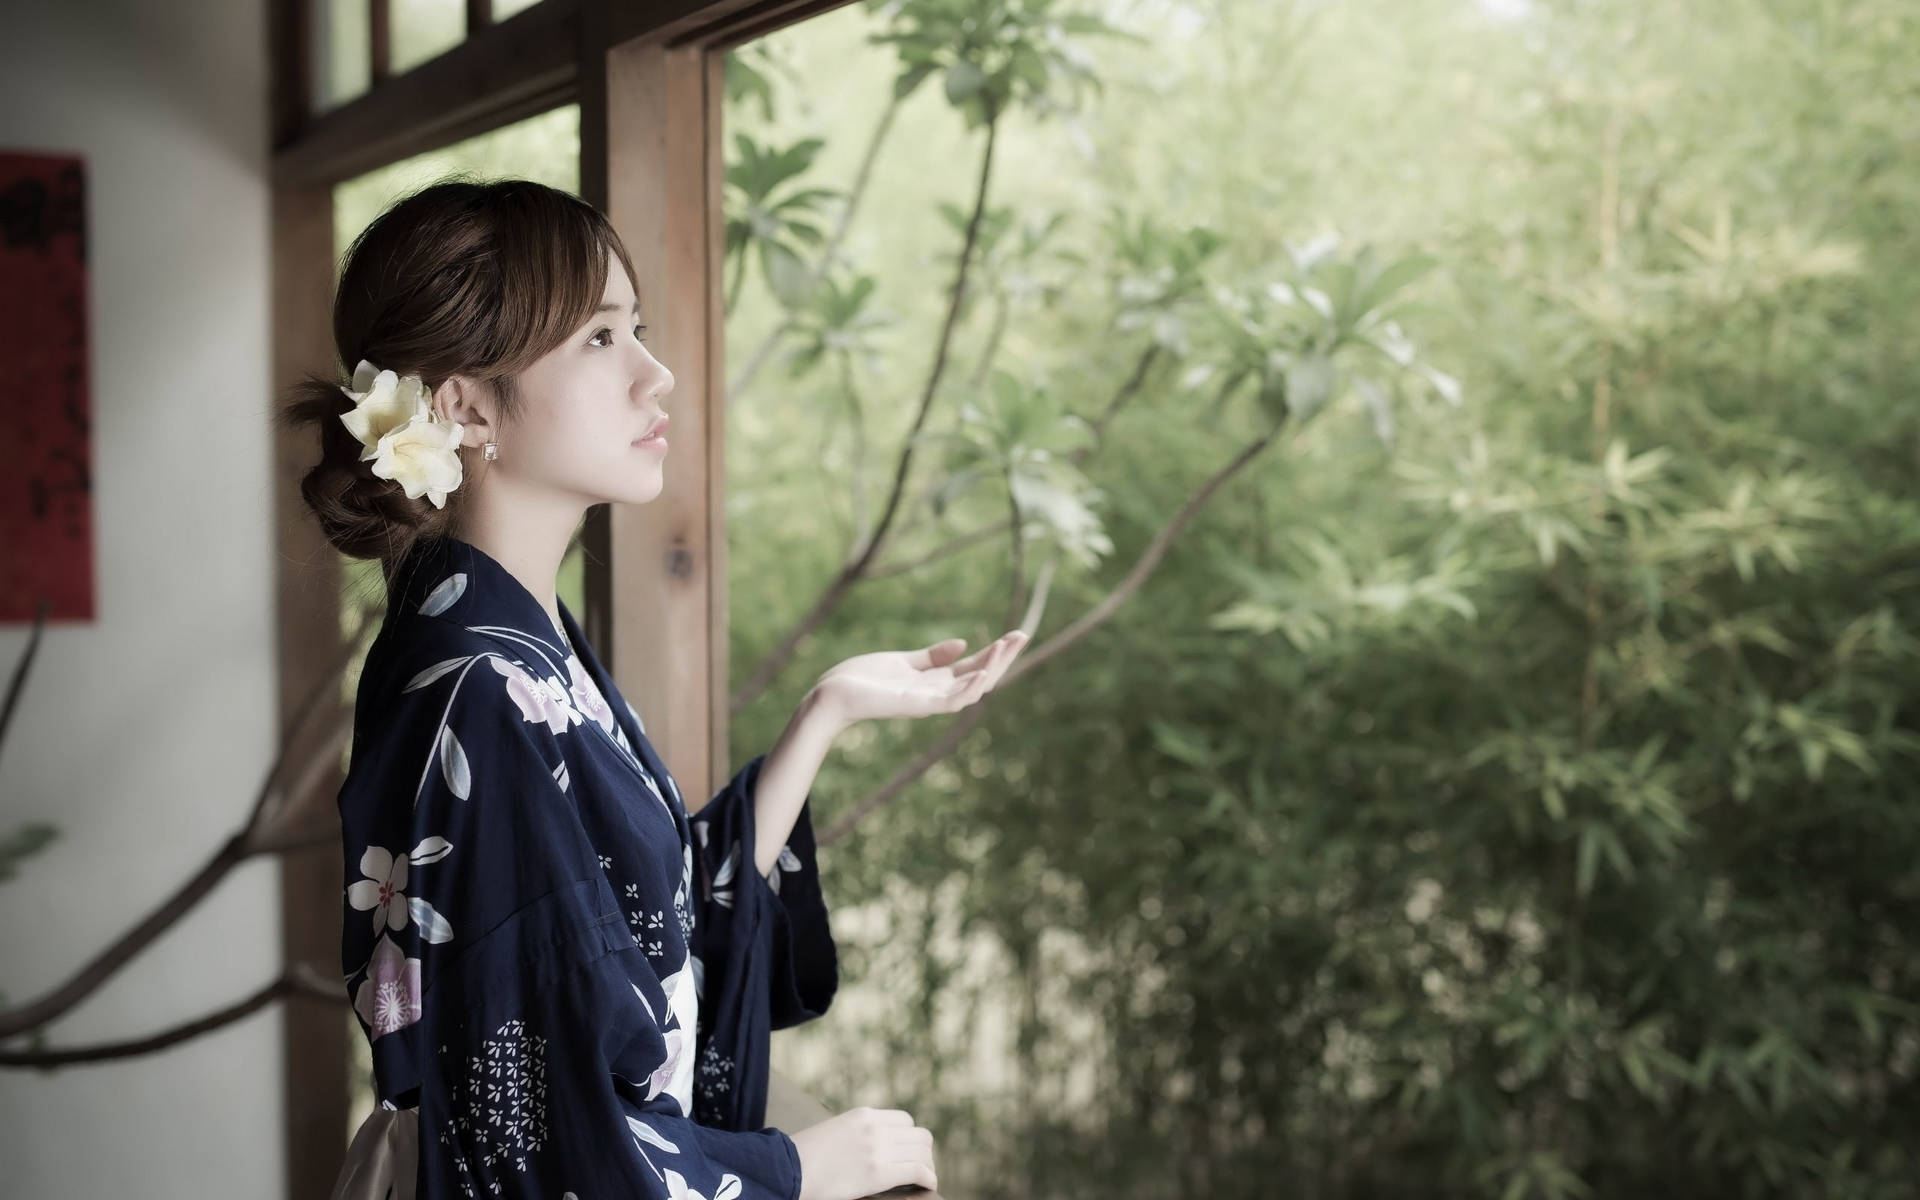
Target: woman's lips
659 439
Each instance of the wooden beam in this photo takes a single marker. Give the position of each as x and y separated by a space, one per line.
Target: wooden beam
307 584
710 24
479 15
290 58
502 73
379 41
520 67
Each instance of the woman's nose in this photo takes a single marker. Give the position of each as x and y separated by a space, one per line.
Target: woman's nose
663 385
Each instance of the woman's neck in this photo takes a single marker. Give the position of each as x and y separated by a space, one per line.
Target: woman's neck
529 541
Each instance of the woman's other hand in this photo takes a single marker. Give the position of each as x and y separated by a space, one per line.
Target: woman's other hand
863 1151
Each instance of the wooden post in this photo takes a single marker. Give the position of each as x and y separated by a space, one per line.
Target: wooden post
307 587
650 160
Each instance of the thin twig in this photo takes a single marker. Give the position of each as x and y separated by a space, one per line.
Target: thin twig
953 545
1144 567
298 980
781 654
236 849
18 682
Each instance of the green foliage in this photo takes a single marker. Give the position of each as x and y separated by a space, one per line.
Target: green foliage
991 54
1505 788
767 215
1021 437
836 320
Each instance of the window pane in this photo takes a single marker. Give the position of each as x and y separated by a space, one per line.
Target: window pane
341 67
502 9
424 29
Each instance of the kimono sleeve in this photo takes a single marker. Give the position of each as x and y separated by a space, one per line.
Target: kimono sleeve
499 988
547 1070
767 951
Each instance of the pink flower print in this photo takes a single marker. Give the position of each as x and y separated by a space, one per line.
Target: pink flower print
662 1077
389 997
586 697
538 699
383 889
557 694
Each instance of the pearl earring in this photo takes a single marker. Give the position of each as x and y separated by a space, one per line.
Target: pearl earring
491 450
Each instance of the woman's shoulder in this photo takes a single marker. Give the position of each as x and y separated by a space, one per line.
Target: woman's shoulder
454 749
440 704
419 658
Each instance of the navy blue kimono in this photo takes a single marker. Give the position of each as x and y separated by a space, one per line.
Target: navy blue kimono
572 979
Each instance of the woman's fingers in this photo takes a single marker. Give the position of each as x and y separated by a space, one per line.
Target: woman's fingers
987 654
920 1175
971 687
912 1156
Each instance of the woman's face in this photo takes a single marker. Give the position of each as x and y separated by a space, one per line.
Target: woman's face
585 405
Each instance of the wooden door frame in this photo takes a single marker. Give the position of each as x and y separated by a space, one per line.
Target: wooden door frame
648 80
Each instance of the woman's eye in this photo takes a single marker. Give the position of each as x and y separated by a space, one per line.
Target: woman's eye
604 331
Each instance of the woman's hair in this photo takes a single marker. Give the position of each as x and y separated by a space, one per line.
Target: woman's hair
461 277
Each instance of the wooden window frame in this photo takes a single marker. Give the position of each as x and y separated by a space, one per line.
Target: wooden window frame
656 602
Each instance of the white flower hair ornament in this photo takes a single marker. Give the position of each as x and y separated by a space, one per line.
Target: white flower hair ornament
393 417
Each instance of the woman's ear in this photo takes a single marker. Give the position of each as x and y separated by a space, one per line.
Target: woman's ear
466 402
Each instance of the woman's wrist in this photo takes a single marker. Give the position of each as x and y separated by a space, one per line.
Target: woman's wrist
820 714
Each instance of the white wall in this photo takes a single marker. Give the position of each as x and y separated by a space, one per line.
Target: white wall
142 733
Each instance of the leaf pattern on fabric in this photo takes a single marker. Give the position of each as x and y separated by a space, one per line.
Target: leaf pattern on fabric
678 1189
645 1133
433 926
453 765
789 861
723 878
434 672
442 597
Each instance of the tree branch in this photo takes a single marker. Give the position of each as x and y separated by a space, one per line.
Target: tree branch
1127 392
258 829
1078 456
949 738
1148 562
983 534
18 682
298 980
783 653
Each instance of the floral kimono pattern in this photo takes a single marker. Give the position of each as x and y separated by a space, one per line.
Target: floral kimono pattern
572 979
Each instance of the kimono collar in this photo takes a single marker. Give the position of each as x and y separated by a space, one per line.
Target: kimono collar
443 575
446 576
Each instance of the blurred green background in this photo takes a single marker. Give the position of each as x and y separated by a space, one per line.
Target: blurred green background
1501 785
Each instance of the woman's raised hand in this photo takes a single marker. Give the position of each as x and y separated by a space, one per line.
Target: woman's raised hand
863 1151
915 683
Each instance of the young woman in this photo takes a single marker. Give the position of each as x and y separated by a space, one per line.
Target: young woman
567 978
